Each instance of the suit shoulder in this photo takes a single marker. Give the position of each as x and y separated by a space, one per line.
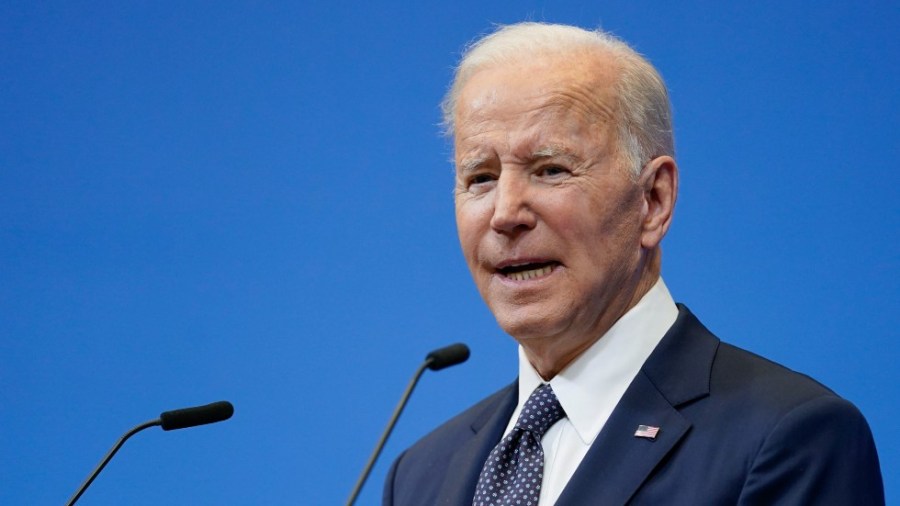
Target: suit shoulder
691 362
759 398
759 379
819 451
776 436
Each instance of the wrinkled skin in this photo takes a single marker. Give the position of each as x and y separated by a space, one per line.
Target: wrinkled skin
560 239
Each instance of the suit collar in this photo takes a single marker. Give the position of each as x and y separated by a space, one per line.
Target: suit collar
677 372
680 367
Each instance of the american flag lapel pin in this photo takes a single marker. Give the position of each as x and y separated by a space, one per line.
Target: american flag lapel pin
646 431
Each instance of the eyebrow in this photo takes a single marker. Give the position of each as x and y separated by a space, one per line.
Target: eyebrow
553 151
470 164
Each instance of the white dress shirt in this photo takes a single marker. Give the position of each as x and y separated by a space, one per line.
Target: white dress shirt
591 386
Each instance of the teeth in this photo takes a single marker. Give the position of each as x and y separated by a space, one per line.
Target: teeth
530 274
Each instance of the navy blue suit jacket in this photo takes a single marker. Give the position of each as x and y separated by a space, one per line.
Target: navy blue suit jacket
735 428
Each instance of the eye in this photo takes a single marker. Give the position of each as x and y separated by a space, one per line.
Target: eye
552 171
480 182
481 179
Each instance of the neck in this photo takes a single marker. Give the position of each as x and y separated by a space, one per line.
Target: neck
551 355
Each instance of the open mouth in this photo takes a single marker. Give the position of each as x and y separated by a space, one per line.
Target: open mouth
527 271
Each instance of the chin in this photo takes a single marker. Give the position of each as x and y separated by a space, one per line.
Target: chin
528 328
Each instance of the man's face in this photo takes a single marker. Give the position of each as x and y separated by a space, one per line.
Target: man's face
548 217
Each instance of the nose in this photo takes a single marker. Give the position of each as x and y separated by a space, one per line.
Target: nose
512 205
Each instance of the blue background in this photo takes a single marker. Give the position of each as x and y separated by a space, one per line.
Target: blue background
252 201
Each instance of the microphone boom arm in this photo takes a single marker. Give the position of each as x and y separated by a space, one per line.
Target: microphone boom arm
169 420
387 432
436 360
109 457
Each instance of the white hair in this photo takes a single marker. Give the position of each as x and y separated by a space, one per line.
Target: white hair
645 117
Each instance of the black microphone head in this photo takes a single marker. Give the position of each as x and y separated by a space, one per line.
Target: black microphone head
447 356
199 415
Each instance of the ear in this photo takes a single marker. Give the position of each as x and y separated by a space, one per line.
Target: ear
659 180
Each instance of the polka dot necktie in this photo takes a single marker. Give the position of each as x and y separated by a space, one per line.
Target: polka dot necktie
514 470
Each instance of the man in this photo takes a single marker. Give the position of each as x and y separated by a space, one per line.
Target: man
565 186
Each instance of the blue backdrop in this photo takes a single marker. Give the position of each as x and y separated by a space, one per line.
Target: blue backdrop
252 201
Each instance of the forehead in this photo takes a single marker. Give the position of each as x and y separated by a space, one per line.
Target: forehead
557 94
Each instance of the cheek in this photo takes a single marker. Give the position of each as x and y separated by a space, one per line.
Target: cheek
579 220
468 229
605 231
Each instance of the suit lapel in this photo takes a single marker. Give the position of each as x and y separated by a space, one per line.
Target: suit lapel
677 372
458 488
618 462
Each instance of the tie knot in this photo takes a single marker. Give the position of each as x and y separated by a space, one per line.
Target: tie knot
540 412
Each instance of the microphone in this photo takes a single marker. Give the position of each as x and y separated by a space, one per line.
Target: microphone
436 360
169 420
447 356
199 415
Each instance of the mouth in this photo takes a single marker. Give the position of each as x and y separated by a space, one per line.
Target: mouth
526 271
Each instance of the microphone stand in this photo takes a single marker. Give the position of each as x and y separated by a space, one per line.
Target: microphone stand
387 432
169 420
109 456
436 360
